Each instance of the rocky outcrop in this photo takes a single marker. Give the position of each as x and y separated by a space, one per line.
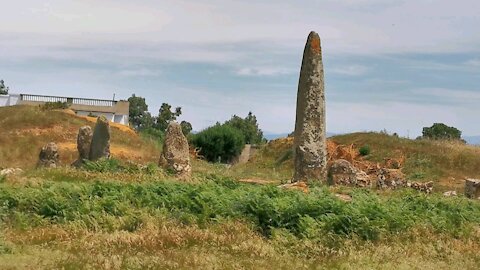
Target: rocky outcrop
422 187
310 151
100 146
49 156
175 156
342 172
472 188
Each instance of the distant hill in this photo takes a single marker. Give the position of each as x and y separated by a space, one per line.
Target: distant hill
273 136
473 140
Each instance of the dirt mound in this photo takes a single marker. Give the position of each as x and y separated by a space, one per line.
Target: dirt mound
25 129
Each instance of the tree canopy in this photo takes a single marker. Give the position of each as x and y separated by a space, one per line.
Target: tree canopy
440 131
3 89
249 128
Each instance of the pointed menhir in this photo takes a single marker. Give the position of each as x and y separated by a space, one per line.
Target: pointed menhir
310 149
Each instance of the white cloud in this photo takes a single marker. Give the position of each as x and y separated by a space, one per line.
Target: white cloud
263 71
473 62
449 94
352 70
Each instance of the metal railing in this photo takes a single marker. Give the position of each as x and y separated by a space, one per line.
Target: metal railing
78 101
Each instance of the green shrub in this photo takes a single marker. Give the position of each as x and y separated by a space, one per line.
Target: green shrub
55 106
364 150
103 165
219 143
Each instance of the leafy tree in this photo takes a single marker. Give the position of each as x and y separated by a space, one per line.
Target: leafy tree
249 128
139 116
166 115
219 143
3 89
186 127
440 131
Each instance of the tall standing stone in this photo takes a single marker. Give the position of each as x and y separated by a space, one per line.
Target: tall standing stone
100 146
176 155
310 149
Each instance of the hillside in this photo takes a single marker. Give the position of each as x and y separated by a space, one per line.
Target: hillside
25 129
444 162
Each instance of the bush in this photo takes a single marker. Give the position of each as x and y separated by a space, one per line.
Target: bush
219 143
364 150
55 106
103 165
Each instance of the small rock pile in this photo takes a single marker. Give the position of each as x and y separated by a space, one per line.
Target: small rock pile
342 172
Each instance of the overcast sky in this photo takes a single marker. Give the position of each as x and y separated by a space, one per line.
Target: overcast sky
389 64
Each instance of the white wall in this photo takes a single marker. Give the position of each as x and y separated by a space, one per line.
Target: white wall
4 100
121 119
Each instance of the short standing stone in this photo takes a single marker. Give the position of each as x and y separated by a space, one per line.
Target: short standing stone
310 151
84 140
472 188
48 156
176 155
100 146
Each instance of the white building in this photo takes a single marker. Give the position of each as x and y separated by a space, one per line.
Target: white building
115 111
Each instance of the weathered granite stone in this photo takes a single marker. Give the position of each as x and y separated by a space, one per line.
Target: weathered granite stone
390 179
48 156
100 146
310 150
472 188
342 172
84 141
176 155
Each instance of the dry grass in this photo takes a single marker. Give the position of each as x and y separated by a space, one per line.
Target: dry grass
25 129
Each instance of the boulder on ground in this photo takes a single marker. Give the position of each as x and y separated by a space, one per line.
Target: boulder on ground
451 193
342 172
472 188
100 145
176 155
390 179
10 171
84 141
48 156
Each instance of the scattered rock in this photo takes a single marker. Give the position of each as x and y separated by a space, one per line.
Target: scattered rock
100 145
48 156
342 172
84 141
10 171
423 187
451 193
302 186
472 188
175 155
390 179
310 146
344 197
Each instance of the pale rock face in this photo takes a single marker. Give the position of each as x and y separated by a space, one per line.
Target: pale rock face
100 146
342 172
310 130
48 156
390 179
176 155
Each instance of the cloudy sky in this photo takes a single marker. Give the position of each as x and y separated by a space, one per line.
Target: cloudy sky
389 64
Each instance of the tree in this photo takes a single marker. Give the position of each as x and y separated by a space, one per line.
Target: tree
186 127
249 128
165 116
3 89
440 131
140 118
219 143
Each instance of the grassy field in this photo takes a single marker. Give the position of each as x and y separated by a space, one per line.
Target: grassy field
75 219
127 213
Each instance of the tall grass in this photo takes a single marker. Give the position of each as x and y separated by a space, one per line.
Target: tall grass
314 215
